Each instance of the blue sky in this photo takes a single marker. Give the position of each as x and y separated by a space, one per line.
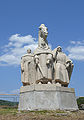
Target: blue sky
19 22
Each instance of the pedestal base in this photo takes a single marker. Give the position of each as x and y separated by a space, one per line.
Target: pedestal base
47 97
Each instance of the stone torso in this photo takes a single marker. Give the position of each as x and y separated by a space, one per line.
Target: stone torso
61 58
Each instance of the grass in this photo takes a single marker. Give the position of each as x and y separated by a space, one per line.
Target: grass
14 111
43 112
5 111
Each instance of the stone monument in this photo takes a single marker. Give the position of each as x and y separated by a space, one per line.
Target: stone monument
45 75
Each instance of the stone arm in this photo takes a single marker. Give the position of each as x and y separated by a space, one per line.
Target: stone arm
68 62
36 59
54 52
49 59
22 65
69 67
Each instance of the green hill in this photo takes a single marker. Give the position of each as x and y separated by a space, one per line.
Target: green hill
8 103
80 102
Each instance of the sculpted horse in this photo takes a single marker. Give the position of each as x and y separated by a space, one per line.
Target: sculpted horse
43 33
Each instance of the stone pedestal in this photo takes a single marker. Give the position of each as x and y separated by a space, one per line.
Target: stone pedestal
47 97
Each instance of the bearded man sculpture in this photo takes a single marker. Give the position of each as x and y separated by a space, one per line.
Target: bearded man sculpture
63 67
25 68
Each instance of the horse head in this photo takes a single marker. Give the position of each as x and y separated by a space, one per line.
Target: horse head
43 30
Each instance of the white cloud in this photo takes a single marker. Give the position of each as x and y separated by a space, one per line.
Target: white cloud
76 51
22 39
77 42
16 47
72 42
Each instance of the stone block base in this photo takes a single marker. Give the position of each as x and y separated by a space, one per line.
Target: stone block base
47 97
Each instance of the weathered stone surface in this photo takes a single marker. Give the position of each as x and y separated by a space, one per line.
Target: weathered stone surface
44 65
25 68
45 76
42 87
43 58
27 88
63 67
47 97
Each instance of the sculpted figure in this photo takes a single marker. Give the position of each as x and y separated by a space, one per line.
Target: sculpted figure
43 68
44 65
49 64
25 61
43 32
43 58
63 67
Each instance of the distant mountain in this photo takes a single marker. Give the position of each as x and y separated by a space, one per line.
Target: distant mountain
8 103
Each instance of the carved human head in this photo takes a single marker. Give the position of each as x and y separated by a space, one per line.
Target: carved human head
59 49
29 50
43 29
